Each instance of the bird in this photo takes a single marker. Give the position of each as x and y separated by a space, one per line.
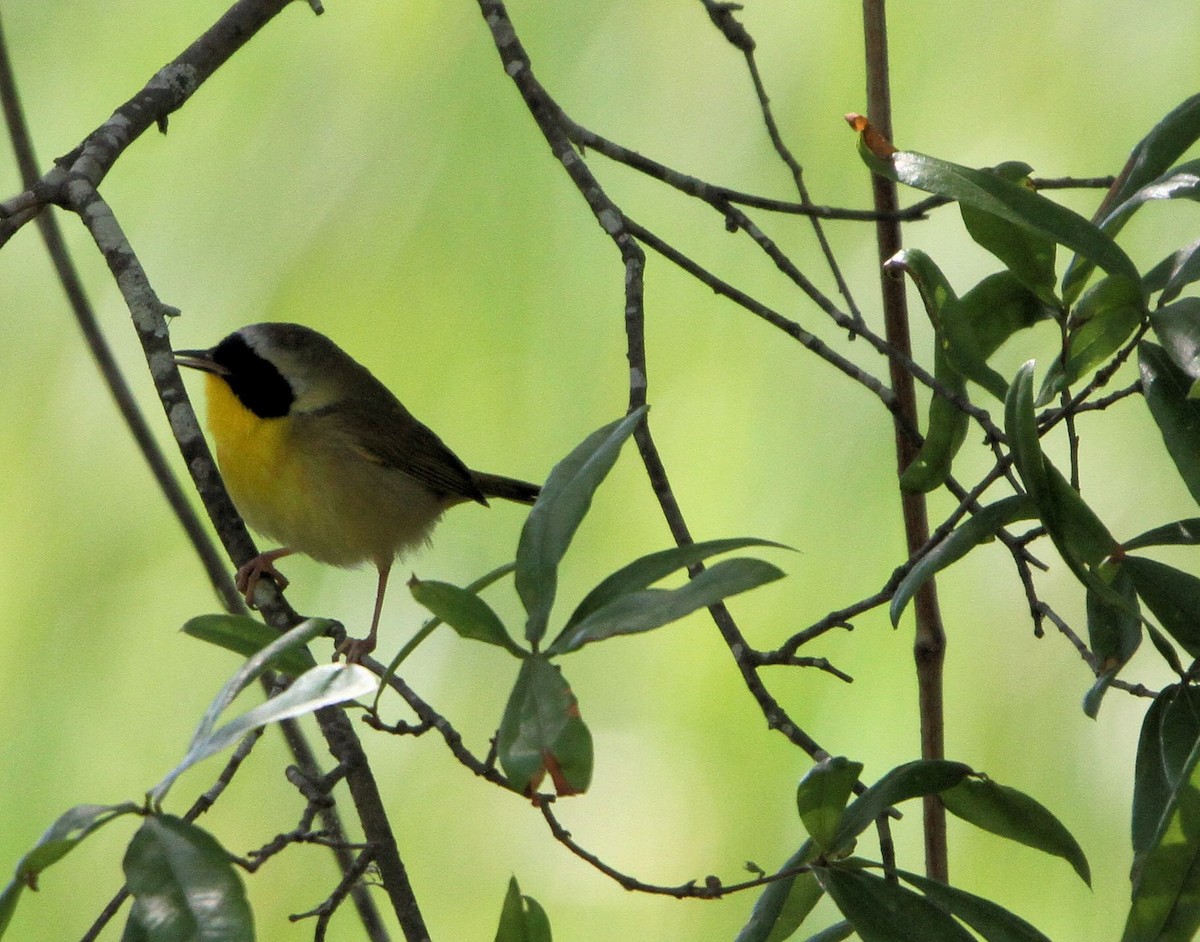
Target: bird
319 456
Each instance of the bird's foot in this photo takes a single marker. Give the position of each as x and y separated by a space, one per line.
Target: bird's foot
261 565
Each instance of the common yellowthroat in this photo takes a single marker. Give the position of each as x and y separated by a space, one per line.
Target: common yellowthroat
318 455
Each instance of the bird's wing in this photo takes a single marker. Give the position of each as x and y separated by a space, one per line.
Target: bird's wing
392 437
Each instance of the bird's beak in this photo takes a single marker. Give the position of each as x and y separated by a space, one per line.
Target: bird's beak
200 360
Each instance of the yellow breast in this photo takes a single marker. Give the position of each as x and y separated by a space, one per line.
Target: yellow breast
290 484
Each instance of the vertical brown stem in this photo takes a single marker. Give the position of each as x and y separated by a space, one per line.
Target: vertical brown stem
930 643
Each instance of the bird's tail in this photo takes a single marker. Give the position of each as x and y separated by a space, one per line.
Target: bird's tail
495 485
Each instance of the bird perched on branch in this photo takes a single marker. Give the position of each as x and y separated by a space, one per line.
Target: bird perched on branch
320 456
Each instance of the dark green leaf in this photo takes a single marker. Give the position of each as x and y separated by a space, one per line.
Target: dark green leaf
822 795
1103 320
1181 182
1020 424
522 918
63 836
246 636
1014 815
653 608
542 733
881 911
993 922
1095 694
1114 633
911 780
551 524
1166 878
982 319
1016 204
1165 387
1027 254
1172 595
1174 273
784 904
1151 157
980 528
835 933
1151 790
1177 327
465 612
1177 533
649 569
1179 732
184 886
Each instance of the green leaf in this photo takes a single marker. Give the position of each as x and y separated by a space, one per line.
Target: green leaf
1030 211
1181 182
247 636
1174 273
784 904
1152 156
184 886
1176 533
994 923
1013 814
1020 425
522 918
1179 732
465 612
822 795
882 911
835 933
911 780
979 529
1027 254
1172 595
1114 633
560 508
1151 790
652 608
647 570
1177 327
320 687
1103 320
62 837
980 321
541 732
1166 878
1165 387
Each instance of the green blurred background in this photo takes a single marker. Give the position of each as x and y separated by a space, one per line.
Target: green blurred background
372 173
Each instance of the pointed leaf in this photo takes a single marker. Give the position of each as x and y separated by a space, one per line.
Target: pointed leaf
1101 322
1181 182
320 687
541 732
522 918
1027 254
1166 879
184 886
564 500
1113 633
822 795
980 528
991 193
647 570
993 922
1177 327
882 911
1165 387
1151 790
247 636
1172 595
784 904
1013 814
1152 155
653 608
1179 732
835 933
1176 533
465 612
1174 273
911 780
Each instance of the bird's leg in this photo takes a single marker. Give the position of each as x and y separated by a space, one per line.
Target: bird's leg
261 565
355 649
